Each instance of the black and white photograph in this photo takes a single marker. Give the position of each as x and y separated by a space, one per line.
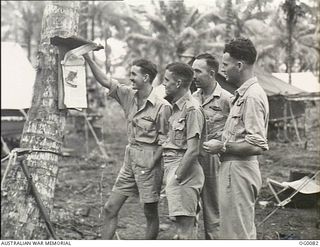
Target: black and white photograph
160 120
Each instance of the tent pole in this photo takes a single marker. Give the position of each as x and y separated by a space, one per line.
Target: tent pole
285 114
294 122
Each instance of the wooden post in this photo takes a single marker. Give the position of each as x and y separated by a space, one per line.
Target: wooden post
294 122
285 117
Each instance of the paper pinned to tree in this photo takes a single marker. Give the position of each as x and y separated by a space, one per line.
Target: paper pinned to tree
74 77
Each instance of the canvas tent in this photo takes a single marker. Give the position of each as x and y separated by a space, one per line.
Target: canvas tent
303 80
286 102
17 80
17 77
277 91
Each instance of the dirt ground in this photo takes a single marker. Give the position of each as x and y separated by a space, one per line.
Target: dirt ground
86 178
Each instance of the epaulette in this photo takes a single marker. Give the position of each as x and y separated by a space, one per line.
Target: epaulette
191 108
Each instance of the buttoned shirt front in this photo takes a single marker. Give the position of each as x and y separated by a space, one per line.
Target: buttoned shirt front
249 116
149 124
186 122
216 108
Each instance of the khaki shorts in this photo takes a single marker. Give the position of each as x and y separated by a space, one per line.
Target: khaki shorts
136 177
183 198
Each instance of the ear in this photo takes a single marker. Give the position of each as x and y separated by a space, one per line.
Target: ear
212 73
146 77
240 65
179 83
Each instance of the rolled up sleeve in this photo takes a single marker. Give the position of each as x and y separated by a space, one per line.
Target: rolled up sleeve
255 120
120 93
195 123
163 123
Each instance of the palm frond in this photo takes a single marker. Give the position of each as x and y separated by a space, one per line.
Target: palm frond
188 32
209 15
158 23
144 39
219 29
191 18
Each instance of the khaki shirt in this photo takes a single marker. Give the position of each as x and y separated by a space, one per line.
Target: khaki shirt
150 123
249 116
216 109
187 121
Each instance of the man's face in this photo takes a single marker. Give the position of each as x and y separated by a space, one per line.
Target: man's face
202 77
137 78
230 68
170 84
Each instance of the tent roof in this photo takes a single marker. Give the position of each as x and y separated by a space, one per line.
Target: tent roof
17 77
303 80
271 84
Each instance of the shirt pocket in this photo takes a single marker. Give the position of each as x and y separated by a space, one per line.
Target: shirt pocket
146 129
179 131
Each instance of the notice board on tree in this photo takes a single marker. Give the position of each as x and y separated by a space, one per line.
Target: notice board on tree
71 73
74 79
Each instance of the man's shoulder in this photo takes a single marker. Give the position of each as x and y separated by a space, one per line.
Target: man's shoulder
225 95
256 91
161 101
192 104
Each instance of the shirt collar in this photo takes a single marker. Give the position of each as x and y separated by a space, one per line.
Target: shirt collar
151 98
216 92
180 102
244 87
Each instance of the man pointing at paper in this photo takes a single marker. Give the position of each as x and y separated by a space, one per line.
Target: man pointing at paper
147 124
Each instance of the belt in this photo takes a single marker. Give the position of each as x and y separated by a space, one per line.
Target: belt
231 157
173 152
143 146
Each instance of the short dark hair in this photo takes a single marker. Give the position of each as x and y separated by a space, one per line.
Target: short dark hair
211 61
242 49
147 67
181 71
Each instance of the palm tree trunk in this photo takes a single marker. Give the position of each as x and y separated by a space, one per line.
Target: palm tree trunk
43 130
229 19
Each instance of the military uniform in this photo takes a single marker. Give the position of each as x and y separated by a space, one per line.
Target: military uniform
146 130
216 108
239 176
186 122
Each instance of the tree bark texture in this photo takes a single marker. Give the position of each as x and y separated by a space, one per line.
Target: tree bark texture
20 218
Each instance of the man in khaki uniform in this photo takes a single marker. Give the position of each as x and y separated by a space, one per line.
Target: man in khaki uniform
183 174
243 139
147 125
216 104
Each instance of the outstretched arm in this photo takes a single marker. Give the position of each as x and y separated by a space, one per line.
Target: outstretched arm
100 76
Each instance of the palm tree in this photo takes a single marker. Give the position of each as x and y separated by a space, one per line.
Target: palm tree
292 11
172 33
26 22
42 135
273 45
